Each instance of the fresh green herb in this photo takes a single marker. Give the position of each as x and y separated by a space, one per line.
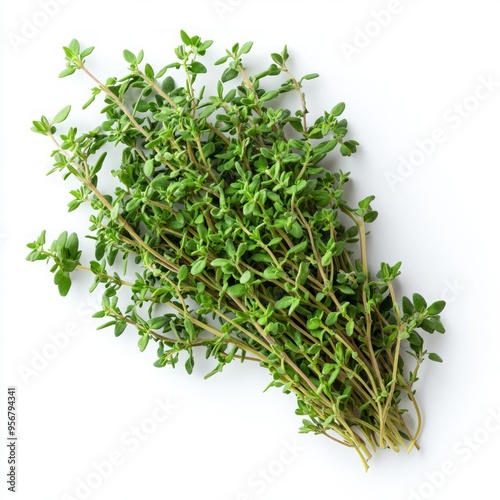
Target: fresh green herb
241 241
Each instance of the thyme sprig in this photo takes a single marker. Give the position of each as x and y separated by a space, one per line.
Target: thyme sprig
244 244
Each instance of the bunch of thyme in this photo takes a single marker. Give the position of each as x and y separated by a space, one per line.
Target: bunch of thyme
243 243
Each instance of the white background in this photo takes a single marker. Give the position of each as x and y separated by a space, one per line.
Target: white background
79 407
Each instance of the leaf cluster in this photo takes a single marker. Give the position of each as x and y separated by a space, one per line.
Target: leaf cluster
243 242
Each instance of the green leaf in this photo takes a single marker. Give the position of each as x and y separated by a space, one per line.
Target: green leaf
325 147
297 144
69 266
183 272
246 277
434 357
284 302
149 72
332 318
229 74
338 109
296 123
313 323
334 376
338 248
427 326
74 46
277 59
60 243
267 153
310 76
268 96
129 56
113 215
100 250
106 325
296 188
185 38
190 329
408 306
62 115
327 259
230 248
294 305
42 238
370 216
197 68
237 290
120 327
160 182
247 47
249 208
198 266
158 323
220 262
143 342
436 307
87 52
275 241
272 273
416 341
189 365
340 352
63 282
303 273
345 151
437 325
90 101
349 327
72 244
168 85
296 230
69 53
149 168
328 368
99 163
222 60
39 127
300 247
207 111
419 302
395 269
364 204
160 363
35 255
242 248
67 72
